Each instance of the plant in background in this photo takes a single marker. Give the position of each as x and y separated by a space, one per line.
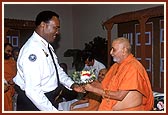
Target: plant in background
98 46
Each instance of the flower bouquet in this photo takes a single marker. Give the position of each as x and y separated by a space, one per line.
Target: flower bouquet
83 77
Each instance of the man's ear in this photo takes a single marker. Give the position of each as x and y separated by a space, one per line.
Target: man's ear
42 24
124 51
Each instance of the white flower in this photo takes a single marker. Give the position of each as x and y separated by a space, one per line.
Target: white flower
83 77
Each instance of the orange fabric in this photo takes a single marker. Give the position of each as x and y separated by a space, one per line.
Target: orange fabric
9 73
129 75
8 99
94 102
138 108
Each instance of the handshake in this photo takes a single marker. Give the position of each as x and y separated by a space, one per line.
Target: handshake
86 87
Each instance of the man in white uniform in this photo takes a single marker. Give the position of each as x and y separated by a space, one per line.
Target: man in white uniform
36 79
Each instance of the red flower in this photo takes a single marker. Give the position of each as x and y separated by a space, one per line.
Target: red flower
86 74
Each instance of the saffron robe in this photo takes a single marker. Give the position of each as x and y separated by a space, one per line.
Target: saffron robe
9 73
94 102
128 75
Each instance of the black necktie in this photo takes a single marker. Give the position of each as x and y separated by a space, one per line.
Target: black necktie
54 64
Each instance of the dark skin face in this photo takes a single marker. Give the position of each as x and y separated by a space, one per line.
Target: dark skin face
8 52
49 31
89 63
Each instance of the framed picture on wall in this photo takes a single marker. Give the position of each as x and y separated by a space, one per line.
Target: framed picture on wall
15 41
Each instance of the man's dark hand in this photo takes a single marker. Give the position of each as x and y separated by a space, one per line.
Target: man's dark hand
77 88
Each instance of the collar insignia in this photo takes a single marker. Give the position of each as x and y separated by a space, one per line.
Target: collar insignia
45 53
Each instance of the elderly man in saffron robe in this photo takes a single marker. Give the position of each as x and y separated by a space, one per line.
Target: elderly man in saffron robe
126 86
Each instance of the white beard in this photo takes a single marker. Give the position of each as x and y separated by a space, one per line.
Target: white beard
114 59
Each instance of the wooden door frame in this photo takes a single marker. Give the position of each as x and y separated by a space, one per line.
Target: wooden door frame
142 16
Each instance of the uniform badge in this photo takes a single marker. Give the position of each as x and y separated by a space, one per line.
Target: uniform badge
32 57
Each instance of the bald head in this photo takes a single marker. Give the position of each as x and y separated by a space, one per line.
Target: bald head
121 49
123 42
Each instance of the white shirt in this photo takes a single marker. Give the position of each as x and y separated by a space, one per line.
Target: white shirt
36 73
97 66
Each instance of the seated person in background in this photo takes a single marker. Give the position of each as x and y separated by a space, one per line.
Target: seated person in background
92 99
15 53
9 73
64 67
91 63
67 94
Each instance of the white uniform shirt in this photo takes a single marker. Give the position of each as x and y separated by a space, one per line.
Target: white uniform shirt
97 66
36 73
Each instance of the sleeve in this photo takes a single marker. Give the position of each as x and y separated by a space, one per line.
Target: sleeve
86 67
32 63
63 77
101 66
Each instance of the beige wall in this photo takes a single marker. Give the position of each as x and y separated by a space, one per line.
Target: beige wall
79 23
